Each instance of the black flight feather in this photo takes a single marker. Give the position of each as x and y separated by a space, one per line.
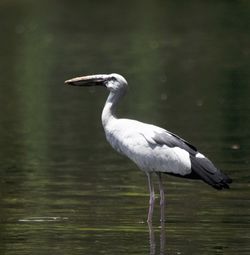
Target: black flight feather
201 167
205 170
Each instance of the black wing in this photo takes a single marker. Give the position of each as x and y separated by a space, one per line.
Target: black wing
206 170
201 167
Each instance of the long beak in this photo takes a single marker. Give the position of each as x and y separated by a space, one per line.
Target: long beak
89 80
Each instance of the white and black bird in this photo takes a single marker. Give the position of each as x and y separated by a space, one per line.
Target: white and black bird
151 148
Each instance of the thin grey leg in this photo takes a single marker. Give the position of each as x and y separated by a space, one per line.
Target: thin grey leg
162 196
152 197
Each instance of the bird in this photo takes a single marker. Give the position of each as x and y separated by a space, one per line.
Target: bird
153 149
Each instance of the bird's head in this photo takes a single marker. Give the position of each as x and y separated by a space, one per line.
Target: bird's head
113 82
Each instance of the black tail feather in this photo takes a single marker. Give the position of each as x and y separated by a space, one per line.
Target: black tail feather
205 170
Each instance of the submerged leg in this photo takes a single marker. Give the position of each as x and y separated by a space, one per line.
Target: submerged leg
152 197
162 196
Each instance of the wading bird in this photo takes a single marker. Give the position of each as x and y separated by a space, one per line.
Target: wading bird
151 148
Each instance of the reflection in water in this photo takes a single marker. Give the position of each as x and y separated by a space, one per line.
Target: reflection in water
162 238
43 219
152 242
151 238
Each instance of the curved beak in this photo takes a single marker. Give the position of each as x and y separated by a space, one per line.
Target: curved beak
89 80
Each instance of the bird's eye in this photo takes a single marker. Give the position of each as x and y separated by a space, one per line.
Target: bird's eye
112 78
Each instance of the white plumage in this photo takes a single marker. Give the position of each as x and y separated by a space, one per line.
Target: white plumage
135 140
151 148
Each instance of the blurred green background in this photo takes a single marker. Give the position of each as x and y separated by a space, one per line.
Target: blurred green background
187 65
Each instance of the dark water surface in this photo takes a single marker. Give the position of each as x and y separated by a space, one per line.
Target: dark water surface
63 190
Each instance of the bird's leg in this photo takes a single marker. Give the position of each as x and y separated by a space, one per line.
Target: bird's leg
162 196
152 197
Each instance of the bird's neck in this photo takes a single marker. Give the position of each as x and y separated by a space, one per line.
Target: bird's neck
108 112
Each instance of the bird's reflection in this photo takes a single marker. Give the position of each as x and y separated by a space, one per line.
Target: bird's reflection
151 238
152 242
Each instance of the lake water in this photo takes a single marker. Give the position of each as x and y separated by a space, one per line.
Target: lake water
63 190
